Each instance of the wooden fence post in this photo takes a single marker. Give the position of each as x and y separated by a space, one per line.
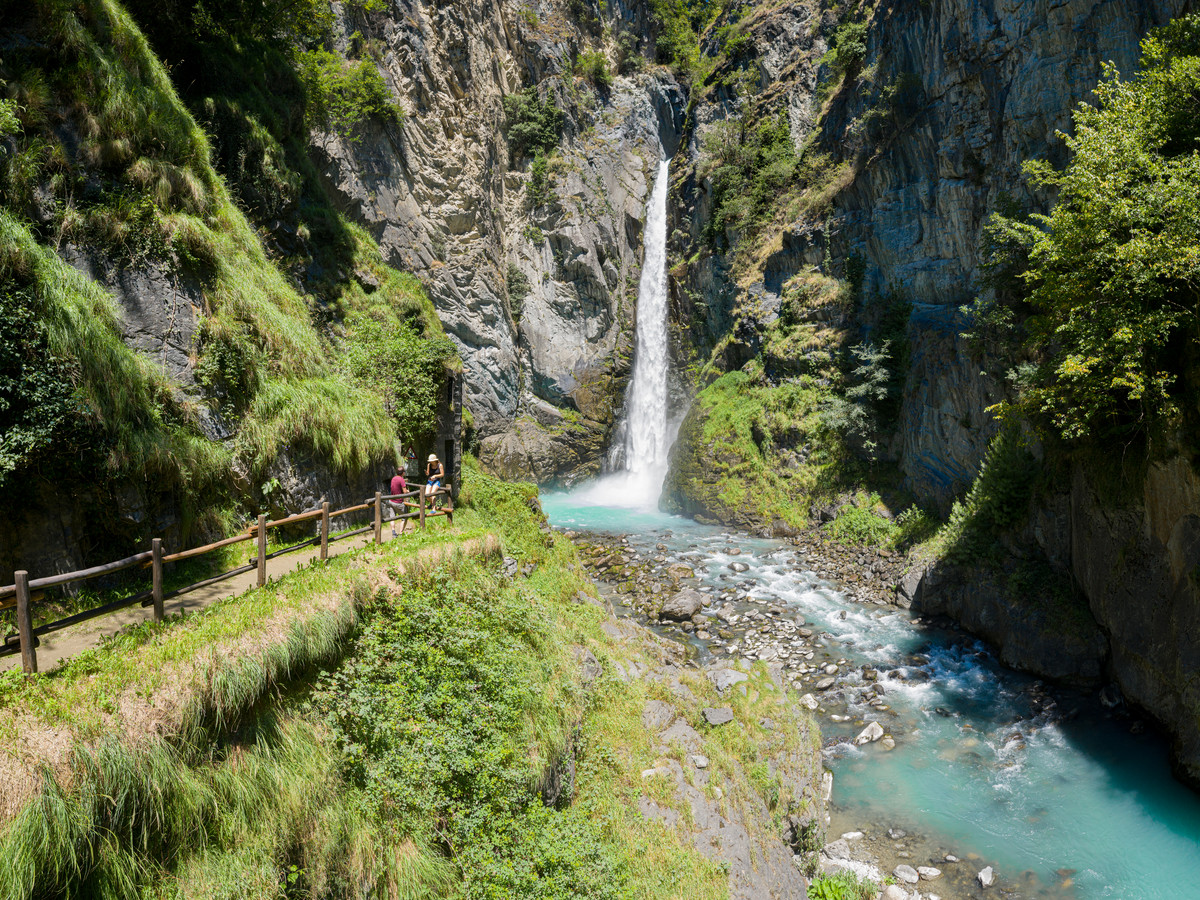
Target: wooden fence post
262 551
324 529
157 578
25 624
378 517
422 508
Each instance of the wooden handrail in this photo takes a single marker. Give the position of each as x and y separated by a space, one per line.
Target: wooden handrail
350 509
298 517
23 594
84 574
198 551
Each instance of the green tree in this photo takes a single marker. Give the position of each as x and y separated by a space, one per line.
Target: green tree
750 168
38 406
1114 270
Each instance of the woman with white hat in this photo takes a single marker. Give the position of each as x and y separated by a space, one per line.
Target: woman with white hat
434 474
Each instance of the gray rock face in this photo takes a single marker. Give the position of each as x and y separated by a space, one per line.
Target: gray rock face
304 481
987 88
1055 637
159 310
943 429
683 734
724 679
996 83
656 715
438 194
1136 564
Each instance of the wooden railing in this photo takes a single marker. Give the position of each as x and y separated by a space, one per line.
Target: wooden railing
25 591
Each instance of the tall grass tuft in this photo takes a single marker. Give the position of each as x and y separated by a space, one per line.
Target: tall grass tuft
117 391
337 421
124 821
161 202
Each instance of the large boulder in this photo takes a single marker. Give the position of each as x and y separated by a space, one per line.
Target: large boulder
682 606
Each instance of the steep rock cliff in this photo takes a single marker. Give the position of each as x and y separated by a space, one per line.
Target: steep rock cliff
1137 563
986 86
932 124
537 293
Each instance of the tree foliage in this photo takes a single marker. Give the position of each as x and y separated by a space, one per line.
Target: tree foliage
1114 270
533 124
750 169
342 94
37 397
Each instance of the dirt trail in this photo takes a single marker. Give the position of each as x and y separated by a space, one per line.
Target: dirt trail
60 645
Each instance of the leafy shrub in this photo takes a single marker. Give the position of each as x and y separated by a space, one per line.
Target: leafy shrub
1112 270
539 179
404 367
842 885
849 48
997 501
629 56
229 366
37 398
750 169
860 524
344 94
913 526
869 384
593 65
532 123
518 290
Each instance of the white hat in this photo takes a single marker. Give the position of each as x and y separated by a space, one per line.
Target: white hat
432 457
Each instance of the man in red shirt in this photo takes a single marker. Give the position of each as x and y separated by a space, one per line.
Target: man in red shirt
399 486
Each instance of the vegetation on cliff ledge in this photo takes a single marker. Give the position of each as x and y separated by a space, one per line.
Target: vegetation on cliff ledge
1112 270
212 197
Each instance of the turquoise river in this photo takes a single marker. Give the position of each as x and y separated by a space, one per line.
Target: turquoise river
1063 797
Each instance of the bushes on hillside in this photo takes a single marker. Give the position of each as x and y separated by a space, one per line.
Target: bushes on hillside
593 65
750 169
37 398
342 94
401 365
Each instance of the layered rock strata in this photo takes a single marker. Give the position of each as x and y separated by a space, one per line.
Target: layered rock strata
537 291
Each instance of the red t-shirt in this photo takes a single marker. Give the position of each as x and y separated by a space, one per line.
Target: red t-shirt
398 485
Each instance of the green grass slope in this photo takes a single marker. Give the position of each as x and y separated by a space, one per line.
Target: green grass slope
383 726
97 151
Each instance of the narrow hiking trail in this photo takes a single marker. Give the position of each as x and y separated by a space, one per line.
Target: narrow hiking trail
69 642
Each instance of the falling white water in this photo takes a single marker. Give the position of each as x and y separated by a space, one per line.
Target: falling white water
647 433
646 404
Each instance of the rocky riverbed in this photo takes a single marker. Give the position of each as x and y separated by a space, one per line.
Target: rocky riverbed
726 622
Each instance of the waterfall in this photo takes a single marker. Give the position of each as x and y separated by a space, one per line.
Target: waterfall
639 461
646 443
